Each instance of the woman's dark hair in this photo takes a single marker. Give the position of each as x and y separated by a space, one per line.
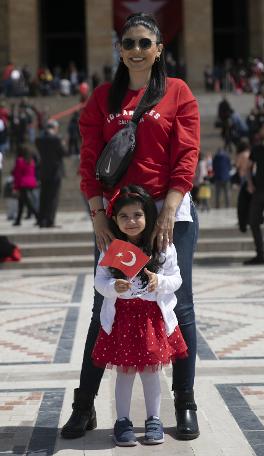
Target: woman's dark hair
26 152
156 87
148 205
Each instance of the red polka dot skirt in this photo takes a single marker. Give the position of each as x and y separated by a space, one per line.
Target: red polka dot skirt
138 340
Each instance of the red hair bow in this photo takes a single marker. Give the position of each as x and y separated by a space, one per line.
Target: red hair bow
109 209
116 195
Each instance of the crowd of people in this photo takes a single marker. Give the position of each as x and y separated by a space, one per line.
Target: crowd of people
32 140
235 76
21 81
238 163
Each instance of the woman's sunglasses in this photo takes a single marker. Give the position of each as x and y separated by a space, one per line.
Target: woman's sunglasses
143 43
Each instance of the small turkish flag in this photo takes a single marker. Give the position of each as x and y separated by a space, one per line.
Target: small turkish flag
126 257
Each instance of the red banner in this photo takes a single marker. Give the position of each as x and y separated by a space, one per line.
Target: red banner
168 14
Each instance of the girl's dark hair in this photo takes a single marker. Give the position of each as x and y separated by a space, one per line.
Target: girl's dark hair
156 87
151 214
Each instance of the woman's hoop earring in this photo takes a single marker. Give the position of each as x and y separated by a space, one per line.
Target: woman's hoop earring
157 59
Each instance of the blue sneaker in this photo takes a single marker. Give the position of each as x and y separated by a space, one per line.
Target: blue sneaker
123 433
153 431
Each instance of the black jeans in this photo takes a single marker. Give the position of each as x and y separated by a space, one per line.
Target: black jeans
185 238
25 198
255 220
49 200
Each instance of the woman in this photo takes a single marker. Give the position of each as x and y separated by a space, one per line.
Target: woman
164 163
25 182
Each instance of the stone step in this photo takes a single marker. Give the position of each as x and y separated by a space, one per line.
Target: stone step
86 261
66 261
47 236
57 248
225 244
222 258
74 248
44 235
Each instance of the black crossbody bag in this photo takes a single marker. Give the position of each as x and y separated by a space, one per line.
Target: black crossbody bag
118 152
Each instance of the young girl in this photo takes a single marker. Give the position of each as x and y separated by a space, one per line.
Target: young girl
139 330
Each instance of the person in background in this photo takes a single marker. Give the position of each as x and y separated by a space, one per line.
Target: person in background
74 135
51 151
24 182
1 171
256 188
244 197
221 170
200 174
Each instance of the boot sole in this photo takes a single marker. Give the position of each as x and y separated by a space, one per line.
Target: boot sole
187 436
75 435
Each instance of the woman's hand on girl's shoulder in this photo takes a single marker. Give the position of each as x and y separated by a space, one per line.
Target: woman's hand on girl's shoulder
153 280
121 285
103 234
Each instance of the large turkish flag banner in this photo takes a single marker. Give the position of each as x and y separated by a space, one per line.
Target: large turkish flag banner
125 256
168 14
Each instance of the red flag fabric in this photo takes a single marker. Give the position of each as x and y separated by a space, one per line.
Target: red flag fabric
126 257
168 13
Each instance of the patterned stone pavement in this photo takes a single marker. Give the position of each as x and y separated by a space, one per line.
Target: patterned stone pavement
44 319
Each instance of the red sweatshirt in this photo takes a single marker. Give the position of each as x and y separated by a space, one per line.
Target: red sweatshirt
167 140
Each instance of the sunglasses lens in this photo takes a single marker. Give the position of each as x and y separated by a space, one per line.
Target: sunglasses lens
128 44
145 43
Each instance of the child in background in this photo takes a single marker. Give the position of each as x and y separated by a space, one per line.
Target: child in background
139 332
10 197
204 195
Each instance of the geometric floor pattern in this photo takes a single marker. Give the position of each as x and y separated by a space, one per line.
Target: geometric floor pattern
31 421
230 314
246 404
39 317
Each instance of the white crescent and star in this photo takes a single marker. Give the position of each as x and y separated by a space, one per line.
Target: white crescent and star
128 263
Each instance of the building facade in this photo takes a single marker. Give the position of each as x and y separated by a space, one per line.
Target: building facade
200 32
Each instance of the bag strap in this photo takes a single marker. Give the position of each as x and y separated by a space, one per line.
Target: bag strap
138 113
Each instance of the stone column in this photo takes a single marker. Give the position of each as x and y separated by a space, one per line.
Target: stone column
24 33
256 28
4 35
99 27
197 39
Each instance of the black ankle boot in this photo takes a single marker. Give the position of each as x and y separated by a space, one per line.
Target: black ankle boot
185 411
83 417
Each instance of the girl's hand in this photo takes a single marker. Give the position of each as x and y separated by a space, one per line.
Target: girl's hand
153 280
163 230
121 285
102 232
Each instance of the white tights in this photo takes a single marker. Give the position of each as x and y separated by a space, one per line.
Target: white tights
151 388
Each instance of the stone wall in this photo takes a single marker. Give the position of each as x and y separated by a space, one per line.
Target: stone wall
24 33
256 28
99 25
197 39
4 34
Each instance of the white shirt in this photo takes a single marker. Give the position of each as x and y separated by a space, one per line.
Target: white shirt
183 212
169 280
